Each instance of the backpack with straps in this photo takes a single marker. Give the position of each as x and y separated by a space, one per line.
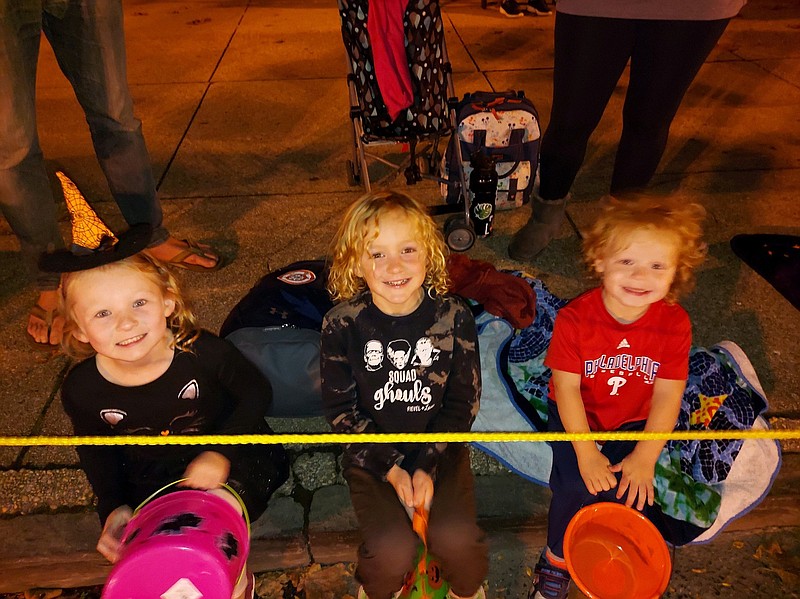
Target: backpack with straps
505 126
277 327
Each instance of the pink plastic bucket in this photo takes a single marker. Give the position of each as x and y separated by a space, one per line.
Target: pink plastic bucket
183 545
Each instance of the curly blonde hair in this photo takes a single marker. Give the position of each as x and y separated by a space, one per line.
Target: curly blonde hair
361 225
182 322
626 213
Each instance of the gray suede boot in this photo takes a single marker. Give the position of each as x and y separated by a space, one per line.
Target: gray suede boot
544 225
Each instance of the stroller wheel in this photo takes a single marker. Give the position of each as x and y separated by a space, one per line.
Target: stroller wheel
353 178
459 233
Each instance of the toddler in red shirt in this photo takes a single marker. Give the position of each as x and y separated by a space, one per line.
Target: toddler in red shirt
619 357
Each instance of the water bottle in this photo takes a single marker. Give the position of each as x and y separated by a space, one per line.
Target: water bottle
483 185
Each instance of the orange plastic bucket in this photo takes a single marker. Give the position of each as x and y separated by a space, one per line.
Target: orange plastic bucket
614 552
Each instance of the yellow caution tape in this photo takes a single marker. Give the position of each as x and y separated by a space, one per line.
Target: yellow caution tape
326 438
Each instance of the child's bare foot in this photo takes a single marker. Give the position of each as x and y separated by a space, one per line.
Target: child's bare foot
45 324
187 254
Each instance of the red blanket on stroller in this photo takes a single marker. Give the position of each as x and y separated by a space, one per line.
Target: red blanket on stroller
387 36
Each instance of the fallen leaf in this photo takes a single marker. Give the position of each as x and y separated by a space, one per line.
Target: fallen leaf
790 579
738 544
699 570
775 549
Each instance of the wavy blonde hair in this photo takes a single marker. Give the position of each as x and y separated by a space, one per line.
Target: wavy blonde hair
633 211
182 322
361 225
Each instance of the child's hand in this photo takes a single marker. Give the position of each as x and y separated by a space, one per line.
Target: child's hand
207 471
401 481
637 480
596 471
423 489
109 542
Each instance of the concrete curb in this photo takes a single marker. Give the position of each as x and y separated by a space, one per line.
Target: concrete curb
57 551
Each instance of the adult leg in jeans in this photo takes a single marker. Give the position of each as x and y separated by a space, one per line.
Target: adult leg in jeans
666 58
389 544
590 55
89 43
25 196
454 536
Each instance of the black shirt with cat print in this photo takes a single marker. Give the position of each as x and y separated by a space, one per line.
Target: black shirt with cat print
210 389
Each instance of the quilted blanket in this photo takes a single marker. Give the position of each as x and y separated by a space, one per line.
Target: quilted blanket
704 483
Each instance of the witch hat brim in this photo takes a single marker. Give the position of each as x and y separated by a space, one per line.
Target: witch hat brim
131 242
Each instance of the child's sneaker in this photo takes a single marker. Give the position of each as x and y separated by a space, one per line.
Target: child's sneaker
245 587
538 7
250 591
362 594
479 594
549 582
511 9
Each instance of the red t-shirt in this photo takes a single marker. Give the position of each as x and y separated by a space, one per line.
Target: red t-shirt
618 363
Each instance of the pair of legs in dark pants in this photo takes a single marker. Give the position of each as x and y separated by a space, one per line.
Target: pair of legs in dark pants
389 544
590 56
569 491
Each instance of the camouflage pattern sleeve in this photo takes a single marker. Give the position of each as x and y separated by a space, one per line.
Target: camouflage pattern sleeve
463 386
341 402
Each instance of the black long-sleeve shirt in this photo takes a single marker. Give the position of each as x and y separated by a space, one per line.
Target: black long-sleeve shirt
414 373
210 389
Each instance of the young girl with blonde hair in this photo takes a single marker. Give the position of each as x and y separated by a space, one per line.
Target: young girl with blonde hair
148 370
399 355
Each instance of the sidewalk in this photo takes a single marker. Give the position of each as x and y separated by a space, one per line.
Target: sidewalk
244 106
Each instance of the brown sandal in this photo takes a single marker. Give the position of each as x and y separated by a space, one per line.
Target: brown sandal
194 249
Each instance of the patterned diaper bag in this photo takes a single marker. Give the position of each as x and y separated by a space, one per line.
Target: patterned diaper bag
504 125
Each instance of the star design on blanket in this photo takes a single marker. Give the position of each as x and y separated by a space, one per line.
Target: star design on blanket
708 407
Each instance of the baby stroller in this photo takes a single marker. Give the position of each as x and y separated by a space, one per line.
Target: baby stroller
421 125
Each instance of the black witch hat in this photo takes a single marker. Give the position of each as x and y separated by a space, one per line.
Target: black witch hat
93 243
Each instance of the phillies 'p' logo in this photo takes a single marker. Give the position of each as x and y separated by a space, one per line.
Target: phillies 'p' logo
615 382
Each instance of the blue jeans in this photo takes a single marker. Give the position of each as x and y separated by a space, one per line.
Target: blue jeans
88 41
